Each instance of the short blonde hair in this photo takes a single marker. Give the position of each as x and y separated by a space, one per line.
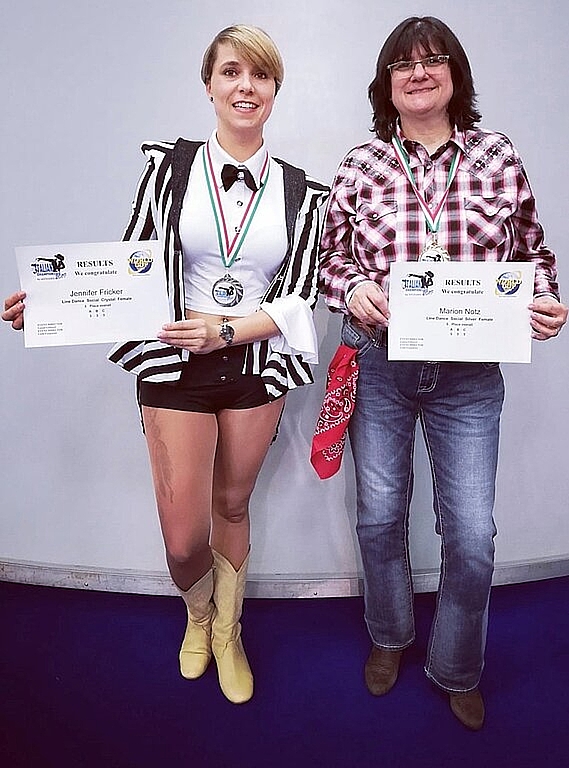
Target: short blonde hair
252 43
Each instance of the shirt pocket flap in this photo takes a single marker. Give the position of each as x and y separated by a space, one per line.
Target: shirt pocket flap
376 210
376 225
487 219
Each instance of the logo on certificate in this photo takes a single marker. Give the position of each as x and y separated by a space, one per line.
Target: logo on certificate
140 262
418 284
508 283
49 267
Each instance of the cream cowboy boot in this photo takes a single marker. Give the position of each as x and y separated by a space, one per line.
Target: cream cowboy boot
195 652
235 678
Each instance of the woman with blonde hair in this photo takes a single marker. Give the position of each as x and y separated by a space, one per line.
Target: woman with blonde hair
240 232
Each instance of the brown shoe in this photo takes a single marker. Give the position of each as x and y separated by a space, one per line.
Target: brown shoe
381 670
468 708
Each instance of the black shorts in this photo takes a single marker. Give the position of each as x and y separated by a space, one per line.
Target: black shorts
208 384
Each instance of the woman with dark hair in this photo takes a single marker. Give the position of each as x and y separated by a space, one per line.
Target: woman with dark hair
240 231
428 155
430 35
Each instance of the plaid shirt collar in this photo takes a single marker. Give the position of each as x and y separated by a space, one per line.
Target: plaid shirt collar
457 137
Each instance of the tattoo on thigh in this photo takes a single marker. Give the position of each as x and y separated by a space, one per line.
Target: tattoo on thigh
162 468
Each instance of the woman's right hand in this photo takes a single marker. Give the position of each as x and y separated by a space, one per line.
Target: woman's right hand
14 310
369 304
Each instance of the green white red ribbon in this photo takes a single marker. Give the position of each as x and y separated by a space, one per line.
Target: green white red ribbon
433 218
230 249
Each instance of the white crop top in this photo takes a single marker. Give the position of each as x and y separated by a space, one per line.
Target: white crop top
252 264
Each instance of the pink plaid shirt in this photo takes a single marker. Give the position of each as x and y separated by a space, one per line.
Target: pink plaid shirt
374 217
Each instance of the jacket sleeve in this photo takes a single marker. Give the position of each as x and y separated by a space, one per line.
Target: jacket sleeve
292 308
151 192
142 225
301 277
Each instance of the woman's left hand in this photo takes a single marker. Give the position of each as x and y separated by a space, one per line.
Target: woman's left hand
548 316
197 335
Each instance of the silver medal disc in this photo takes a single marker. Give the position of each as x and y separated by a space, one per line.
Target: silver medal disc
227 291
434 252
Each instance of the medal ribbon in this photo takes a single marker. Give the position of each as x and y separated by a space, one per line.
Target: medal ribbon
433 219
229 250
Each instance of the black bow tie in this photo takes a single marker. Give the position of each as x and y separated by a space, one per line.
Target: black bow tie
230 174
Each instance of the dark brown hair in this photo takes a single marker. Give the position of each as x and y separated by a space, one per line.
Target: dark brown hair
431 36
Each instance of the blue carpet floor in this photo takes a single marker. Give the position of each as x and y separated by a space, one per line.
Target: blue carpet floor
90 679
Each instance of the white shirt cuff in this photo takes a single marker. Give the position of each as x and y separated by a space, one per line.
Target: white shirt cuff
296 325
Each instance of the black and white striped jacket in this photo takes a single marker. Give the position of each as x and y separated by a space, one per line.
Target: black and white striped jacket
156 214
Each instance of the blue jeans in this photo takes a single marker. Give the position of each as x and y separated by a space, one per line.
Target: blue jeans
459 407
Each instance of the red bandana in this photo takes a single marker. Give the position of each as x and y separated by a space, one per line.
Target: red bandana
337 407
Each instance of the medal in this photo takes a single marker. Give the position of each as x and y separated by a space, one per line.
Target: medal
227 291
434 252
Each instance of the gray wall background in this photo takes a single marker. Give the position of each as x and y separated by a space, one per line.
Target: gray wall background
83 84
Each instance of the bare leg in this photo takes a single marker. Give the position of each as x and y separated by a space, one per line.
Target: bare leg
182 447
244 438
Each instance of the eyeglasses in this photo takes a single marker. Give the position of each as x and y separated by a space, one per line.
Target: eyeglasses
430 64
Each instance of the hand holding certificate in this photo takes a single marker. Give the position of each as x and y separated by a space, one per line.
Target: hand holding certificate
461 311
90 293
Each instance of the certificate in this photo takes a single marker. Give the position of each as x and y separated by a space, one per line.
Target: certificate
463 311
89 293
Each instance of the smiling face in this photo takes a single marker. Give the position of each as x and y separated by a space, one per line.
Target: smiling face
422 95
243 95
